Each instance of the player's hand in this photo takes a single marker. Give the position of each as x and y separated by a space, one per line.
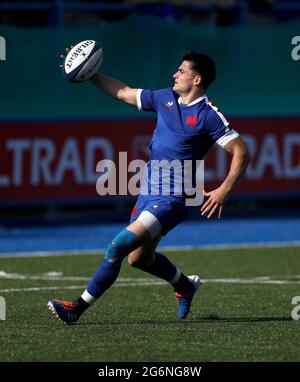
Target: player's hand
215 201
62 56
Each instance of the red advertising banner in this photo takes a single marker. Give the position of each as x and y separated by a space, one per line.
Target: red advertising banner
41 161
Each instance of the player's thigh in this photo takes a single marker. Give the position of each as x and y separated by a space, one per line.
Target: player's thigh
148 230
141 232
144 253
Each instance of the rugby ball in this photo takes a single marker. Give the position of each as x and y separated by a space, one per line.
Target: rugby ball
82 61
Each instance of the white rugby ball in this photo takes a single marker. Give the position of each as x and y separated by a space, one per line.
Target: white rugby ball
82 61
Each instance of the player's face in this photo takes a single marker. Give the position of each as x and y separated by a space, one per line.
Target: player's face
184 78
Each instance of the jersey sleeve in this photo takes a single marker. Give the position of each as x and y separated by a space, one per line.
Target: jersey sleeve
147 100
218 127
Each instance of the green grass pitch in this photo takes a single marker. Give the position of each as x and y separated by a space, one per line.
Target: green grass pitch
242 311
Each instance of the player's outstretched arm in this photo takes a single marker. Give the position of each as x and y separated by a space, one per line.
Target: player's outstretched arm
115 88
239 163
111 86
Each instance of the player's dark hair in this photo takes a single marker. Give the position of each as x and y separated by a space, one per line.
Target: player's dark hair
202 64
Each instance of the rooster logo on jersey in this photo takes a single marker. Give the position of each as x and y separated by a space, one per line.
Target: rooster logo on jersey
191 120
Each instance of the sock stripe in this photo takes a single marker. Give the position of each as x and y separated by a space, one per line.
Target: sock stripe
87 297
176 277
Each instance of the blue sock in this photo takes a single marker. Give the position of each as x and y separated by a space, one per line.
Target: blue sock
162 267
166 270
107 273
103 278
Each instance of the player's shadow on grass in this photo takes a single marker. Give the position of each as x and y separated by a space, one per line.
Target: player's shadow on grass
217 318
191 321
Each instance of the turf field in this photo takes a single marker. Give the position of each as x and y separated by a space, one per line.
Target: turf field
241 313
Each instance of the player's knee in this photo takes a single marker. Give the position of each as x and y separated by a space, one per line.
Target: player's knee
139 261
133 261
120 246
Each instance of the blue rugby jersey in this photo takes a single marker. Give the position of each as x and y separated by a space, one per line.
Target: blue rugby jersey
183 132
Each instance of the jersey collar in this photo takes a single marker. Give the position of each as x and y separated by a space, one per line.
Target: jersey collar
194 102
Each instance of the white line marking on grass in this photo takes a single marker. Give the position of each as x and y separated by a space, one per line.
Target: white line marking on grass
100 251
38 289
55 276
5 255
130 282
17 276
271 244
251 281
